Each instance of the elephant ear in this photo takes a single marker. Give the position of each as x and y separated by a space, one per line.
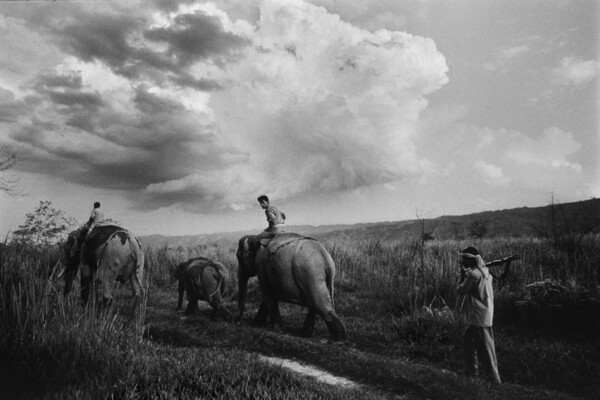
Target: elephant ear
246 247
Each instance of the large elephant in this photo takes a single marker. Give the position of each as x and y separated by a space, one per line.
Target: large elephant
111 253
203 279
295 269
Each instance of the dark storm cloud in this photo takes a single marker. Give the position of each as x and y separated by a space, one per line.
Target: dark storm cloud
170 5
76 98
65 89
10 108
154 139
103 38
196 36
152 104
51 79
205 85
117 41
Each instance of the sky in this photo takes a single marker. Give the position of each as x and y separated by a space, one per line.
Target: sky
176 115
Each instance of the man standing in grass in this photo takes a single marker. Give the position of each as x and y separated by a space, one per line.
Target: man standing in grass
478 340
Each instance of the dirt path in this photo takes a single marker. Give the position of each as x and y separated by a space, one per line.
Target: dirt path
346 364
309 370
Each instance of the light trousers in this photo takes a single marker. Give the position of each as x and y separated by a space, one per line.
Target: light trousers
478 346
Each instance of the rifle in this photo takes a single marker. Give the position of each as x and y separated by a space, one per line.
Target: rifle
507 260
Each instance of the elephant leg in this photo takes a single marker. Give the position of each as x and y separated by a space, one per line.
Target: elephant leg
214 314
192 307
181 291
260 319
336 327
86 284
103 296
218 308
308 329
320 301
70 273
276 315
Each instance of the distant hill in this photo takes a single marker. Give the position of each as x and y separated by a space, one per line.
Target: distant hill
515 222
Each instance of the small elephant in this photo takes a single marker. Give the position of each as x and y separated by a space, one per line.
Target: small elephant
202 279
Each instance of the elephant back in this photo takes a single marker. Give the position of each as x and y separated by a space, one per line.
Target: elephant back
283 240
95 240
194 270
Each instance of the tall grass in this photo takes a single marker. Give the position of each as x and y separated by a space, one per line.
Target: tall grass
52 347
401 277
48 341
160 263
396 297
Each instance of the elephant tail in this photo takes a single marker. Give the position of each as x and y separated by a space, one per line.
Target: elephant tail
221 279
329 278
137 254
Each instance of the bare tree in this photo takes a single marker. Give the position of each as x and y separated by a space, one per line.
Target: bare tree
8 183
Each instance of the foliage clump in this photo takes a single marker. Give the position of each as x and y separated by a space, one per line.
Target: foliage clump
44 227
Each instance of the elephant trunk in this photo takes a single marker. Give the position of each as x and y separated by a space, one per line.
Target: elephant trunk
180 292
242 288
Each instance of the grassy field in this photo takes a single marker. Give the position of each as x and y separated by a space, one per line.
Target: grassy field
396 299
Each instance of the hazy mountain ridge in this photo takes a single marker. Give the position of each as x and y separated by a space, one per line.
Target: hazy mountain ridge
523 221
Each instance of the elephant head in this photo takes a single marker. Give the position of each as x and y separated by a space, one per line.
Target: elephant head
70 260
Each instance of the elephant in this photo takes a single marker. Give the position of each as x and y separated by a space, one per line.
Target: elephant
111 253
202 279
295 269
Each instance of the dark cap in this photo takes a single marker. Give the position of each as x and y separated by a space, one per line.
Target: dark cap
470 250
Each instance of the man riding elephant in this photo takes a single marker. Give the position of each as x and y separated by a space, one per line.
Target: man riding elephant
72 247
275 219
96 218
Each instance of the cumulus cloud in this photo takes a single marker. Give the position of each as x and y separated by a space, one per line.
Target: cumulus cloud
492 174
551 149
327 106
485 161
185 106
575 71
